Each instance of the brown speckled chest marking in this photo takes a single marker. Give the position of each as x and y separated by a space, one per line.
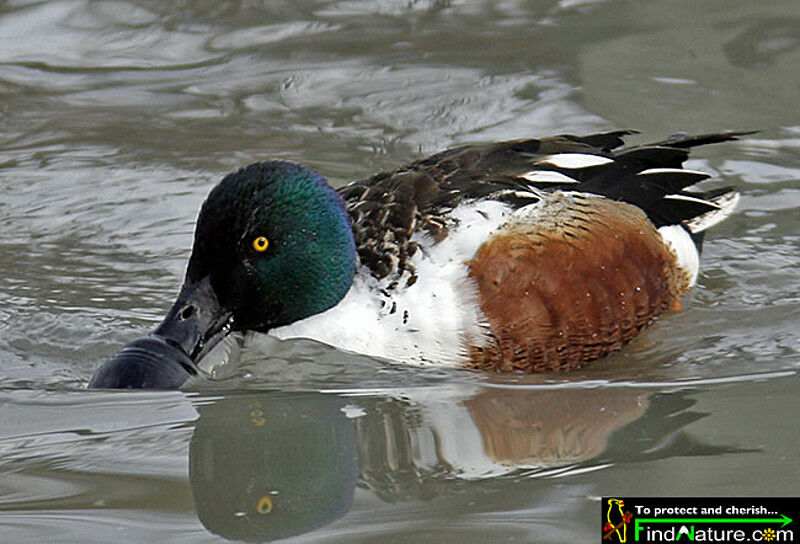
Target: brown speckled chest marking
571 281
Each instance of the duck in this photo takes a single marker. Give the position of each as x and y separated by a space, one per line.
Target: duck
530 255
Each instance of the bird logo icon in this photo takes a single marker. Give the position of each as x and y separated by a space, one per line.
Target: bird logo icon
616 527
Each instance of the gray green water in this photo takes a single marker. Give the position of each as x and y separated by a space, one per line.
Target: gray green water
117 117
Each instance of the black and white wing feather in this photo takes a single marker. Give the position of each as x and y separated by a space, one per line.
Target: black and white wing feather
387 209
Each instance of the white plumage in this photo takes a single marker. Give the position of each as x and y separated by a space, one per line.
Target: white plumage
431 322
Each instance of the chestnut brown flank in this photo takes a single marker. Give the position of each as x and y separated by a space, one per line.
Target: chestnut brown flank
575 280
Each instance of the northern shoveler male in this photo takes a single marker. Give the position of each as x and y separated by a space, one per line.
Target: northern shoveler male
533 254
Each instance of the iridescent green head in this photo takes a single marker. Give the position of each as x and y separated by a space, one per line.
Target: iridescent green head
273 245
277 244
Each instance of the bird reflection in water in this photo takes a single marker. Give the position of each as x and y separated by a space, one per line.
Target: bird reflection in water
271 465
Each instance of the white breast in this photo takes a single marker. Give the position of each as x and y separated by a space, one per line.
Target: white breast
431 322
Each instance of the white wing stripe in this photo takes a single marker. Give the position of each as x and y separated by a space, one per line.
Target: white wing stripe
692 199
654 171
547 176
573 161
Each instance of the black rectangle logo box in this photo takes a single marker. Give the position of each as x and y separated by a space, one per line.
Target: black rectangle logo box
705 519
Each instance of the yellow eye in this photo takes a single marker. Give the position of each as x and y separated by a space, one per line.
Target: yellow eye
264 505
260 244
